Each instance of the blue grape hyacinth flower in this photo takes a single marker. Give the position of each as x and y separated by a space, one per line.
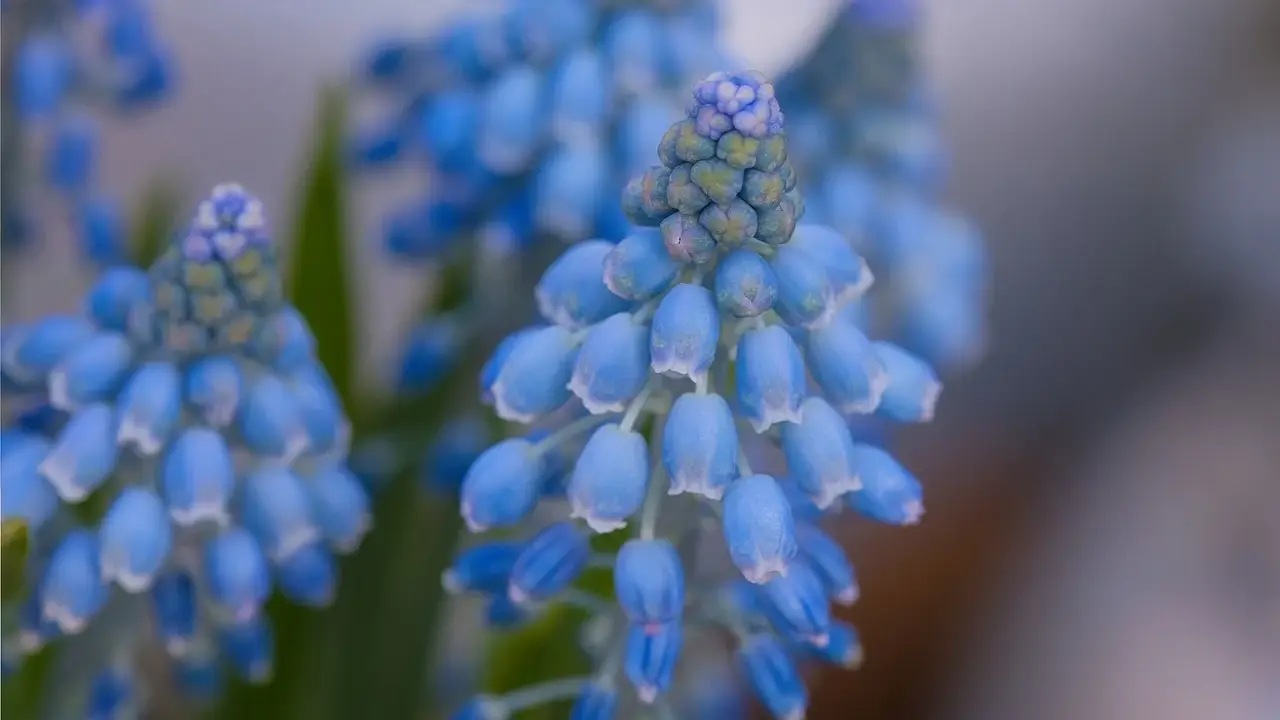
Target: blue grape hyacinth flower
748 345
74 63
189 455
868 143
527 119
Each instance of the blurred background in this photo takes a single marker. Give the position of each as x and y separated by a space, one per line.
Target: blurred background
1103 535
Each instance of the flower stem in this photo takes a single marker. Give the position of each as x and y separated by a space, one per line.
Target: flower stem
637 404
567 432
543 693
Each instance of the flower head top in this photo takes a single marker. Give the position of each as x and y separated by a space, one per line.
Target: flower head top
665 363
71 58
739 101
190 400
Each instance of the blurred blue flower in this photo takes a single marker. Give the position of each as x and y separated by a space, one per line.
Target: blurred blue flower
103 57
735 323
546 101
189 399
868 147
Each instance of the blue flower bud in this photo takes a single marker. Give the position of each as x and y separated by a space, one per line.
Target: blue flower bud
686 239
633 41
73 590
771 380
797 604
848 273
774 677
502 486
572 292
213 389
483 568
683 194
845 365
820 453
149 407
599 701
544 29
236 573
308 576
101 225
511 120
609 480
84 454
197 477
806 296
380 143
389 59
889 492
429 353
683 144
686 329
775 225
718 179
534 380
276 509
321 408
250 646
113 298
135 539
24 492
746 285
851 196
271 421
741 101
493 366
549 563
452 452
913 389
111 695
31 353
173 602
639 267
731 224
828 560
447 128
43 72
758 528
648 581
700 446
580 96
92 371
286 343
650 658
613 364
71 153
843 647
339 507
571 192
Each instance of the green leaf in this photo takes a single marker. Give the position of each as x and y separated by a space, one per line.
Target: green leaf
320 286
13 557
155 219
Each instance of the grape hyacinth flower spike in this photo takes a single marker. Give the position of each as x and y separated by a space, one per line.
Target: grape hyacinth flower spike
189 401
524 122
868 145
735 304
74 62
